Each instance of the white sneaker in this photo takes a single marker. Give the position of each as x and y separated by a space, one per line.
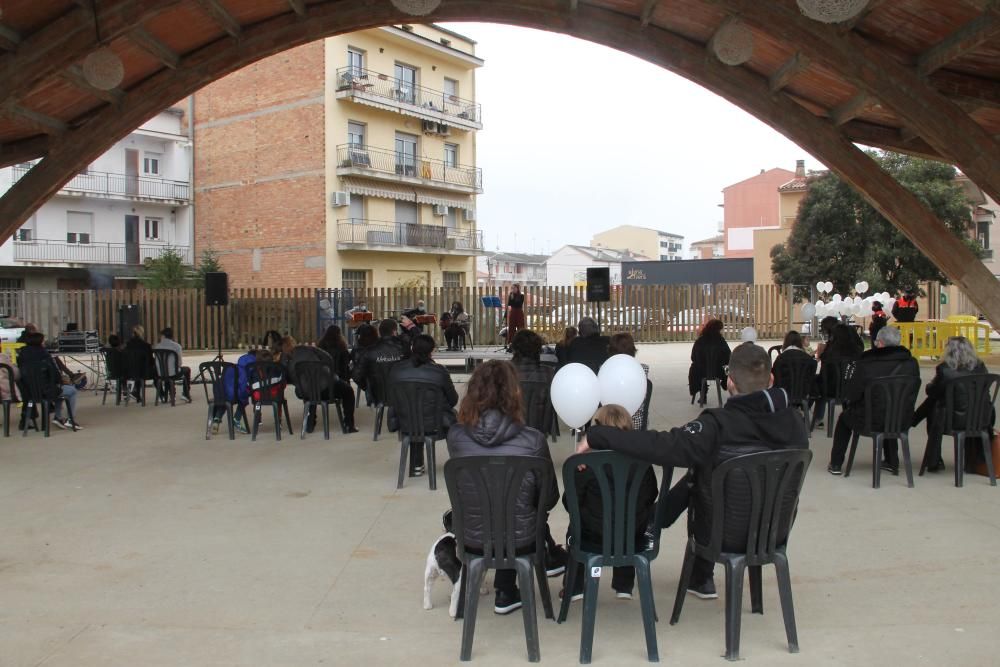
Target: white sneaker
61 423
73 425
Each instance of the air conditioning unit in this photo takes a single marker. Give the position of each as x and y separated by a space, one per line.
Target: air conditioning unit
340 199
443 129
440 209
451 244
470 215
429 127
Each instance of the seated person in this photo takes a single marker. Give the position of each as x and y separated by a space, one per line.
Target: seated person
456 326
527 348
592 509
167 342
389 349
276 375
5 382
590 348
340 390
490 423
842 348
34 355
562 347
756 418
411 314
792 353
138 343
709 342
421 367
115 343
623 343
237 393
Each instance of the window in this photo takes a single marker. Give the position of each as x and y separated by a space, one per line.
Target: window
406 83
151 163
355 133
356 62
79 227
11 283
983 234
451 155
451 218
407 212
356 209
153 227
406 154
353 280
452 279
451 89
27 232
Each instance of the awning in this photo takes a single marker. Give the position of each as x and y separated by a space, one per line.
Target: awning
378 189
425 197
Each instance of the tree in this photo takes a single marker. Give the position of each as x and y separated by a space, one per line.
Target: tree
840 237
166 271
208 263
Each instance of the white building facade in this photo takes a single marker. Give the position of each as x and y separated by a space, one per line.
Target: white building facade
568 265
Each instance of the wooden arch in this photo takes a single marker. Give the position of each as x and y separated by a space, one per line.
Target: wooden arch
925 86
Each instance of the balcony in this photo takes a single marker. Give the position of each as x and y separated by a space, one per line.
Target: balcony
386 165
103 184
386 92
358 234
61 252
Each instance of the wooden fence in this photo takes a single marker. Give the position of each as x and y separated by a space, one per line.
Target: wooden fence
650 313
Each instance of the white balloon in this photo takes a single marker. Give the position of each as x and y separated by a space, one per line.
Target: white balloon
575 394
820 287
820 303
623 382
837 298
828 285
748 335
808 311
864 286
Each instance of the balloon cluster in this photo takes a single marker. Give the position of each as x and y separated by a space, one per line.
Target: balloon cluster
845 306
576 392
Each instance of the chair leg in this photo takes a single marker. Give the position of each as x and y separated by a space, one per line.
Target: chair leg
46 418
404 448
208 423
959 459
431 463
591 585
6 419
904 445
735 568
475 570
326 420
877 461
379 412
648 612
543 586
276 409
785 593
288 416
570 585
850 456
988 455
230 415
756 590
463 578
340 416
718 391
256 422
25 417
305 416
686 569
528 611
831 408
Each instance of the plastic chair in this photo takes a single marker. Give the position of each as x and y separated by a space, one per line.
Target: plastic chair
538 411
796 378
8 379
378 385
42 387
138 369
411 401
965 418
498 481
644 408
711 366
773 353
754 501
115 370
165 380
832 377
270 378
899 393
213 376
314 385
620 478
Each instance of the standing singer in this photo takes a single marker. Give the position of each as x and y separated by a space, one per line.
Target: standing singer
515 312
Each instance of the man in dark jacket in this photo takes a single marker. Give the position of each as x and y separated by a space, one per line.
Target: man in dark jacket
756 418
34 358
378 358
886 358
590 348
419 367
139 348
906 308
292 355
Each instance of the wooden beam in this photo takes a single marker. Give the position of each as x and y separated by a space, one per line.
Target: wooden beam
154 47
23 150
967 91
222 17
966 39
794 66
9 39
39 121
648 7
74 74
889 138
299 7
851 109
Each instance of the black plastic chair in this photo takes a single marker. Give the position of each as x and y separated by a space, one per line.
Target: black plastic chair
644 408
314 385
968 413
270 377
754 501
212 375
138 368
116 371
899 393
773 352
498 481
411 401
833 381
41 385
620 479
796 378
7 373
165 380
712 375
538 411
378 384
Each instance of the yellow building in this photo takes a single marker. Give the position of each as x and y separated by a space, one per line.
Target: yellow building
645 241
790 195
401 175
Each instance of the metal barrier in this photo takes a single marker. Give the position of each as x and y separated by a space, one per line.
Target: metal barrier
927 339
10 349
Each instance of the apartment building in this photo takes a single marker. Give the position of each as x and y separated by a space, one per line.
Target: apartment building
710 248
503 269
645 241
749 205
348 162
127 207
568 265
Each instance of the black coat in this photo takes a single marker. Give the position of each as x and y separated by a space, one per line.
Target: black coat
497 435
591 351
136 343
387 350
876 362
301 354
934 405
783 365
340 357
433 373
37 357
699 369
746 424
532 371
905 311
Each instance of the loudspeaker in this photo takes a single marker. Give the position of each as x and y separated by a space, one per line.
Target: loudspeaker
128 317
598 284
217 289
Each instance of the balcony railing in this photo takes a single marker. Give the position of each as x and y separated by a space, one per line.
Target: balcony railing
373 233
427 101
43 250
123 185
378 162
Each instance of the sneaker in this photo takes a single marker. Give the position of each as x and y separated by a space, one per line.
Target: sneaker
351 429
555 561
888 467
187 399
820 424
834 470
73 425
310 424
216 424
705 590
623 595
937 467
418 471
239 427
507 602
62 423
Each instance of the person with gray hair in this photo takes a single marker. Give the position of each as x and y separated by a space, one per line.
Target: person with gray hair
590 348
958 361
886 358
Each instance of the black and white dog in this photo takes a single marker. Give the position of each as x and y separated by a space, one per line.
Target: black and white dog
443 561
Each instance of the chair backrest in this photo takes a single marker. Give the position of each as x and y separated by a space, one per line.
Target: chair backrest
40 380
773 352
419 407
379 382
266 378
713 365
538 411
497 482
969 402
213 378
889 403
7 377
833 378
312 379
167 365
619 478
115 365
754 501
137 364
795 375
644 408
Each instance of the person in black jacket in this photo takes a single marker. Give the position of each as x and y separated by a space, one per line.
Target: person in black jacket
389 349
293 354
842 349
879 320
886 358
906 307
590 348
490 423
959 360
419 367
793 359
710 342
527 348
562 347
333 343
34 356
756 418
138 343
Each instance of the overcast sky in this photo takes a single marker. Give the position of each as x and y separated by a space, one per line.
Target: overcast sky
579 138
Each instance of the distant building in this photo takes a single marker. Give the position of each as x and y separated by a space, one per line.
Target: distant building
752 204
503 269
790 195
568 265
710 248
642 240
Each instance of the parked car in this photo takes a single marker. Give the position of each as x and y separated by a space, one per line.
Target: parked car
10 330
691 319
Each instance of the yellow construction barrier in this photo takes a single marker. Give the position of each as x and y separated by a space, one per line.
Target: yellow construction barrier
963 319
10 349
927 339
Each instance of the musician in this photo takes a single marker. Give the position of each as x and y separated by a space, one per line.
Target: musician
515 312
412 314
455 324
353 315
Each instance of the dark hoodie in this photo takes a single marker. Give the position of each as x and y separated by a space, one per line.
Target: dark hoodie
497 435
750 423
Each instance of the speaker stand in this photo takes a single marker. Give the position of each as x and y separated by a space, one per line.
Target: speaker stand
218 331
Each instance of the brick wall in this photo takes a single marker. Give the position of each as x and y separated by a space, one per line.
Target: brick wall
259 171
